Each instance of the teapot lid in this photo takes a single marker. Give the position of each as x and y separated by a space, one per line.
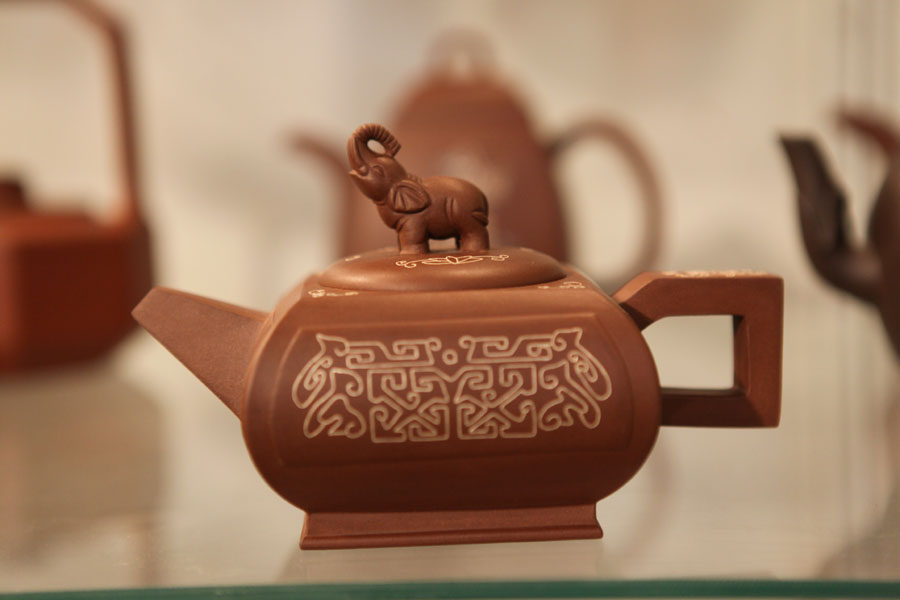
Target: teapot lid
388 270
422 209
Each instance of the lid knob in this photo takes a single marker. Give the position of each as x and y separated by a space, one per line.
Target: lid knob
12 194
419 209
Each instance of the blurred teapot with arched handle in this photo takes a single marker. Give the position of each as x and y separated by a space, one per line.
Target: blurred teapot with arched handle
67 280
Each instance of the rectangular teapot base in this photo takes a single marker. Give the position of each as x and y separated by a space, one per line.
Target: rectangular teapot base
323 531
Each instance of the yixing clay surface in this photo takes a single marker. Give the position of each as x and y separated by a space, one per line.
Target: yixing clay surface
870 271
492 268
470 123
485 407
68 281
417 209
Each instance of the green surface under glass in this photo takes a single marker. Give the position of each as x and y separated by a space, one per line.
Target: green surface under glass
672 588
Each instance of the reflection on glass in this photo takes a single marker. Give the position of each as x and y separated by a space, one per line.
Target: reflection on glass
877 552
81 472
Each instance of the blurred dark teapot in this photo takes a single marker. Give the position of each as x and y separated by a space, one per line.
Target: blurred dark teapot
465 121
485 394
68 281
870 272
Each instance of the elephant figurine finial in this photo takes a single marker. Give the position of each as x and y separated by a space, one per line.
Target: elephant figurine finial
418 209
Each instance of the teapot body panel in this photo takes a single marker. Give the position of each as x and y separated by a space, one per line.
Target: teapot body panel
536 396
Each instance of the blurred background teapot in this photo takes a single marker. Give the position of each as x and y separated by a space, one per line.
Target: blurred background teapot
67 280
869 271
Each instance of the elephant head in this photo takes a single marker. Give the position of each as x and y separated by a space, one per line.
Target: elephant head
378 175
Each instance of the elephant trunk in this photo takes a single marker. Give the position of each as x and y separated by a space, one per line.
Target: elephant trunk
358 152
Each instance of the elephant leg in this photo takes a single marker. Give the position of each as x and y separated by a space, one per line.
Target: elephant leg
412 237
474 238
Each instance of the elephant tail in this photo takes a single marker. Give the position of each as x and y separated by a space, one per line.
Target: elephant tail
480 212
481 216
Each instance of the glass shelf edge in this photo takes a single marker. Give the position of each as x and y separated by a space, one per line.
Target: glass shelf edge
525 589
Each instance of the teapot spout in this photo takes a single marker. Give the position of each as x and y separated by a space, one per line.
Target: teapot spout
214 340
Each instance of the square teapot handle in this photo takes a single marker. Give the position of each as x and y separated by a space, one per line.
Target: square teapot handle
756 302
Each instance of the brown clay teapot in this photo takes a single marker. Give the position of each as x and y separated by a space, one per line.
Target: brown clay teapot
466 121
68 281
484 394
870 272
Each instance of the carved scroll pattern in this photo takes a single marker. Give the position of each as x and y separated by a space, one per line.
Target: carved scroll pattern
450 260
503 388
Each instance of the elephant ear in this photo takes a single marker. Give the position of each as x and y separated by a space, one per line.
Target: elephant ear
409 196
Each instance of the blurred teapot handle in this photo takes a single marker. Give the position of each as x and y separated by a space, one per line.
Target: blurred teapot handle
114 38
642 171
756 302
